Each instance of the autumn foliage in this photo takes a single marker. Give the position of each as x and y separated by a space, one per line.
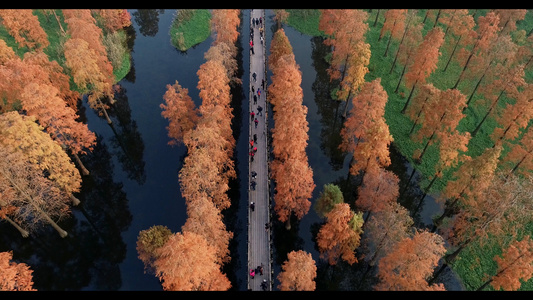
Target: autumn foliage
365 132
411 263
195 270
298 272
289 169
192 260
14 276
340 235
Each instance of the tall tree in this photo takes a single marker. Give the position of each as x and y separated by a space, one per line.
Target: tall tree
14 276
514 117
394 24
424 62
515 266
486 68
510 81
92 70
180 111
298 272
365 132
29 199
484 36
383 230
59 120
114 19
206 220
225 23
379 189
412 37
497 215
441 122
186 262
289 168
294 187
24 26
330 195
345 30
82 62
56 76
22 133
407 267
519 158
148 241
469 181
508 18
460 23
340 236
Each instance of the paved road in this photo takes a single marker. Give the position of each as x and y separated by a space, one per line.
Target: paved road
259 238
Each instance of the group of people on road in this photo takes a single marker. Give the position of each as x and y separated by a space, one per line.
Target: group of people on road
257 90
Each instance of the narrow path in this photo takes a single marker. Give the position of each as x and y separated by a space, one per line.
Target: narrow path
259 237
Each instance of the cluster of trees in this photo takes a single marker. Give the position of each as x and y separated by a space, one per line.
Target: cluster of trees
193 259
290 169
485 198
39 123
492 65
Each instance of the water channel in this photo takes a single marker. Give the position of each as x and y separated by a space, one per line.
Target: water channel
133 183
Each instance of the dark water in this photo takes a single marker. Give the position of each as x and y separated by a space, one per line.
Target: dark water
133 183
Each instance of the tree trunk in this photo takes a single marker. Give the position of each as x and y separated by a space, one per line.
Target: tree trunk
473 92
518 164
485 116
63 33
62 233
407 184
388 44
75 201
409 98
425 193
376 20
426 146
23 232
84 170
418 116
401 76
484 285
464 68
451 55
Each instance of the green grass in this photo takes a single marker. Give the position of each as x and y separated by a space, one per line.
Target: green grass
190 27
475 261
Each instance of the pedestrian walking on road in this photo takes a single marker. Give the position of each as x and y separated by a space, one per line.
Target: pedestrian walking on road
251 144
252 156
253 90
252 184
259 111
263 83
254 174
255 99
259 93
252 273
256 121
255 138
252 206
254 76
